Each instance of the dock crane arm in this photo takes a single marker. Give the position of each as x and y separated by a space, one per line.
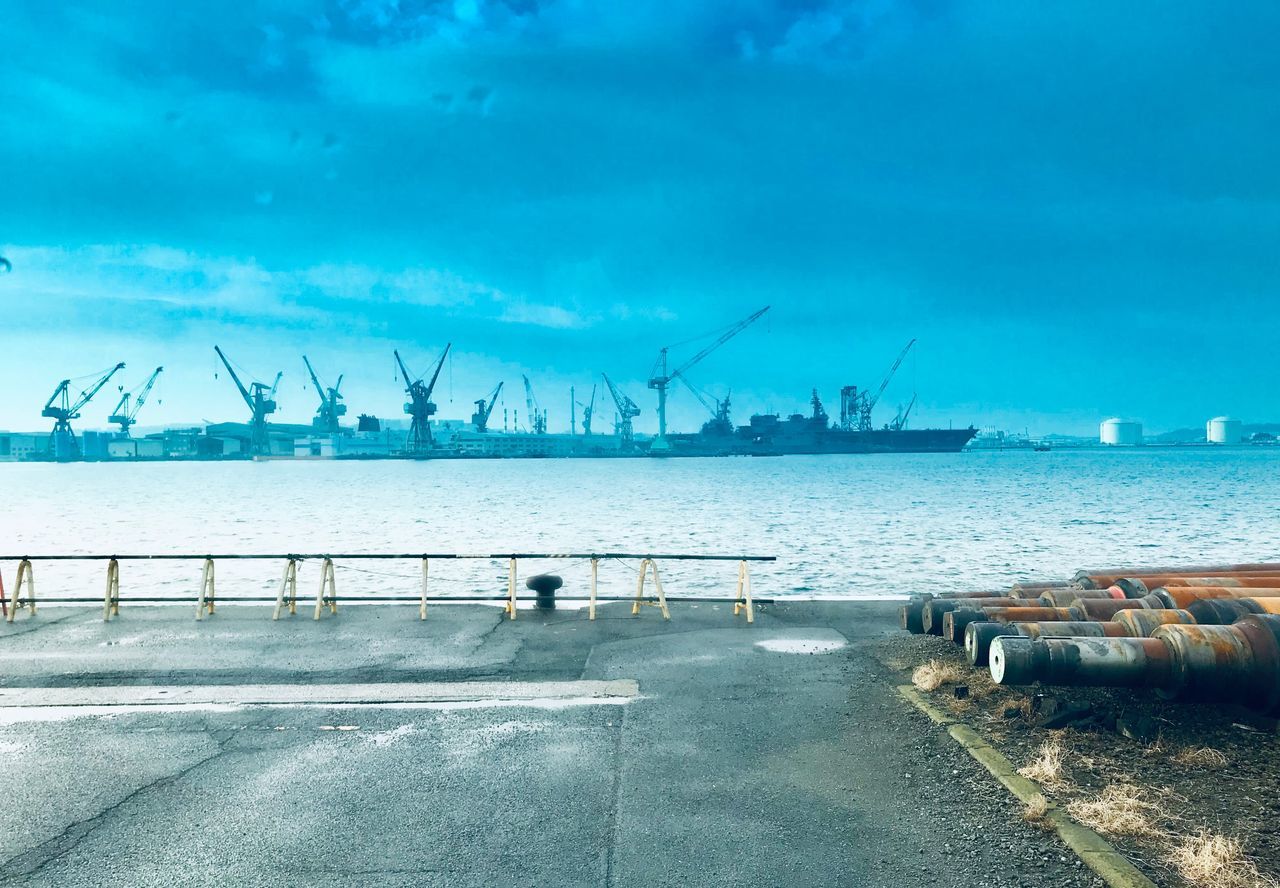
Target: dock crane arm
720 340
57 393
275 385
316 382
625 405
489 402
87 395
439 364
713 408
409 378
142 395
244 392
889 376
901 421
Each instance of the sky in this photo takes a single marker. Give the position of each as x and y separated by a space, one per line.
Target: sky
1073 207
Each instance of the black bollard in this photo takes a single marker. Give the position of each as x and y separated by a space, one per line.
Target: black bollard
545 585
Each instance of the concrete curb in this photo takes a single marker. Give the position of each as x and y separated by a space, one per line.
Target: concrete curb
1097 853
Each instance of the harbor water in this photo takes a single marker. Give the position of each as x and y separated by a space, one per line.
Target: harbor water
856 526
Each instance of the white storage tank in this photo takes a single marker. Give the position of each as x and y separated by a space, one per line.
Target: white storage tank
1118 432
1224 430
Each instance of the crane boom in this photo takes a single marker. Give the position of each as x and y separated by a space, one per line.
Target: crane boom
62 438
431 386
419 405
484 408
537 420
868 403
244 392
314 381
661 378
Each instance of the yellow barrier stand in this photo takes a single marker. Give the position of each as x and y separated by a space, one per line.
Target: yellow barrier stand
511 588
743 599
422 605
645 566
591 607
205 602
111 599
328 594
17 601
288 582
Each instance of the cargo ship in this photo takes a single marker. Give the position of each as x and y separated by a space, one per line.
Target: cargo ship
771 435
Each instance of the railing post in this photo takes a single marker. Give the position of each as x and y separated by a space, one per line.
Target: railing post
111 599
511 588
422 605
289 584
591 608
328 594
205 602
743 599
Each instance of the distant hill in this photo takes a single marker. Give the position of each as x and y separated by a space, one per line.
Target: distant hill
1192 436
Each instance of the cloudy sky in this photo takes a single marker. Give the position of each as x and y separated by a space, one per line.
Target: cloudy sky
1072 206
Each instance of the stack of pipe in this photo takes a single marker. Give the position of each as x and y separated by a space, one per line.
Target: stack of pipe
1202 632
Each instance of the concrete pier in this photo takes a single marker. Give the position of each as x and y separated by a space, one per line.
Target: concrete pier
372 748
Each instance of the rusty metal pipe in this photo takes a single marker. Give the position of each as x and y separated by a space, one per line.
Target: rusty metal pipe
1041 586
1104 662
1181 596
1140 623
1239 663
931 617
1107 610
1024 614
1064 597
1142 585
978 638
1094 579
911 616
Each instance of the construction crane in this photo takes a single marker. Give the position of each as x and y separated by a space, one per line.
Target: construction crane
867 404
484 407
537 417
126 411
720 423
900 421
660 378
330 409
588 410
627 411
419 405
261 403
62 439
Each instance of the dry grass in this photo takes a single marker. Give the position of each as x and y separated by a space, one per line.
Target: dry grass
1200 757
934 674
1121 810
1046 767
1218 861
1037 813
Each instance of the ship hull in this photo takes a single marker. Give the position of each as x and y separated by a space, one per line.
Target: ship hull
827 442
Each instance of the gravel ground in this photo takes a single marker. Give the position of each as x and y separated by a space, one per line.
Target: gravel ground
1238 796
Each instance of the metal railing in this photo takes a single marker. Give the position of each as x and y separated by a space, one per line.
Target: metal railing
327 598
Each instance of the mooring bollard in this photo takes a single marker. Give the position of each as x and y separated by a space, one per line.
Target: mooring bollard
545 586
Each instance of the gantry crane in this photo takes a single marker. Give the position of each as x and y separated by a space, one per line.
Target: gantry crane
537 417
627 411
330 410
62 439
866 405
484 407
419 406
660 378
261 403
588 410
126 411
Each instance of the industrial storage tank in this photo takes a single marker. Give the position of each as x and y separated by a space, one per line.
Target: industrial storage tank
1120 432
1224 430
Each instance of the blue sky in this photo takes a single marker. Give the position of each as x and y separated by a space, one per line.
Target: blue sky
1072 206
